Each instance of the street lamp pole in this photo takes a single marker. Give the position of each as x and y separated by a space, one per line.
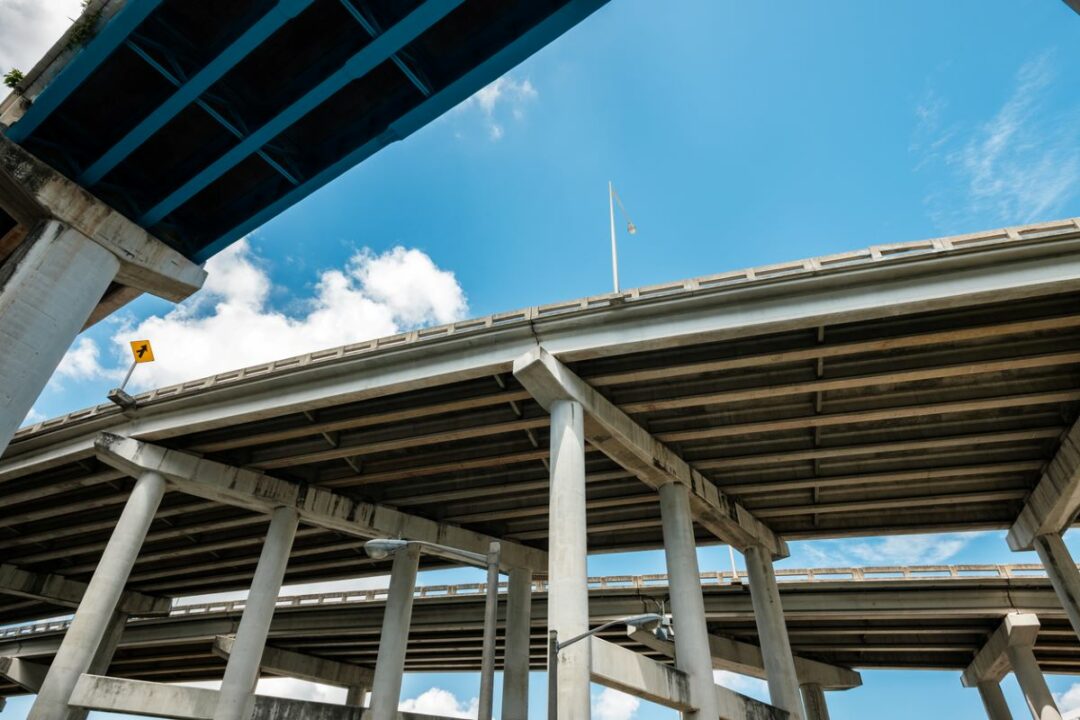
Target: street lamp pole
613 198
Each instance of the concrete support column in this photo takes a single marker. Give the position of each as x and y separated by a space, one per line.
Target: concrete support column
994 701
1039 699
103 658
692 654
356 695
390 663
814 704
236 701
568 583
515 699
1061 569
772 632
96 612
46 295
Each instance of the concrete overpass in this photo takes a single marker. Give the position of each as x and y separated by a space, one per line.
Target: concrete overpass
919 387
156 132
927 618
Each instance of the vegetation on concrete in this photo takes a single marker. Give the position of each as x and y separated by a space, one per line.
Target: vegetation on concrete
13 78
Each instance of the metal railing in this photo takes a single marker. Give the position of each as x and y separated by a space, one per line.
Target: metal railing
875 254
607 582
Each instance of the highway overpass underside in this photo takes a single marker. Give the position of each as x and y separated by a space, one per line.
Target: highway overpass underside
922 387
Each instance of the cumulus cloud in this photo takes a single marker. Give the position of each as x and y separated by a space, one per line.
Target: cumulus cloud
614 705
506 97
437 701
284 687
1020 165
1069 702
890 550
29 27
231 322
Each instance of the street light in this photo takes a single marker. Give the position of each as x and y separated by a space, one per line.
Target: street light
613 198
382 548
648 621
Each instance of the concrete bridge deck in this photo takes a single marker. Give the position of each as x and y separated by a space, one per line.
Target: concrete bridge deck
933 617
914 388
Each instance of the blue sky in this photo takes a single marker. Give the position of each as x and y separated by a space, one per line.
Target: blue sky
737 134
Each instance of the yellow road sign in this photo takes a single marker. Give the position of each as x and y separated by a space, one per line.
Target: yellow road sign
142 351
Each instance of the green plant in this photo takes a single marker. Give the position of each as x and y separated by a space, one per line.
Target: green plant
13 77
83 28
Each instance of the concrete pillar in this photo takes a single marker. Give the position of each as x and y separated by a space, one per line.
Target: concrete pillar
103 658
236 701
994 701
772 632
692 654
814 704
568 582
515 699
46 296
356 695
1032 683
390 663
95 615
1061 569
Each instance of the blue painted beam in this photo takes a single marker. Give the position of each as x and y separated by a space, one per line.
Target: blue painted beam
378 51
221 120
79 67
190 91
373 31
449 97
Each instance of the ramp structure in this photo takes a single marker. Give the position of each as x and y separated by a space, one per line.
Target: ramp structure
920 387
156 132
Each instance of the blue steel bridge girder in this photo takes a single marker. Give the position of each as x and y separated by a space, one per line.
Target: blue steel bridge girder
435 105
378 51
194 88
85 62
221 119
372 29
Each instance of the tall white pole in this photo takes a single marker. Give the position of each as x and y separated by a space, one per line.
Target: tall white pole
491 617
614 249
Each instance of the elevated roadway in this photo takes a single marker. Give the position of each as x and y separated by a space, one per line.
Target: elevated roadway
933 618
919 387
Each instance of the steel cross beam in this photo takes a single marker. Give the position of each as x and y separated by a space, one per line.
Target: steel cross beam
317 506
615 434
191 90
367 59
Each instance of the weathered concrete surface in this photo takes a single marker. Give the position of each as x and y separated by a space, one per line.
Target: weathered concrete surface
27 675
814 705
991 662
46 295
144 261
288 663
1055 501
618 436
994 701
616 667
745 659
772 632
317 506
397 617
65 592
1063 574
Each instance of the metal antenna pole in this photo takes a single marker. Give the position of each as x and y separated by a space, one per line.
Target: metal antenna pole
614 248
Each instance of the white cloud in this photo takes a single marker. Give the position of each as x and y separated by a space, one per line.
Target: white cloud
505 95
437 701
1069 702
1020 165
742 684
889 550
284 687
614 705
231 323
32 417
29 27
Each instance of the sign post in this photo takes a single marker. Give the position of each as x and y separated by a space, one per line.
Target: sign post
141 352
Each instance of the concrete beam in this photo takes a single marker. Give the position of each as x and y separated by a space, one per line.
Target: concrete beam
1053 504
316 506
27 675
745 659
34 191
59 590
991 663
303 667
138 697
618 436
616 667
